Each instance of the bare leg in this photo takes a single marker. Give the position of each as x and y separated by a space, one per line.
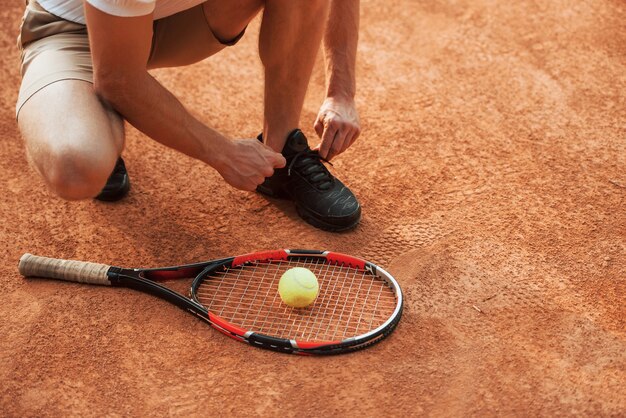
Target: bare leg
72 139
228 18
290 38
291 34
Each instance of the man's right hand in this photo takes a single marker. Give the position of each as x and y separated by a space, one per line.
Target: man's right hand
245 163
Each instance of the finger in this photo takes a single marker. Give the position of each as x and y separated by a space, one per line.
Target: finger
267 171
341 141
350 138
256 180
278 161
319 126
247 186
355 135
275 159
332 153
327 139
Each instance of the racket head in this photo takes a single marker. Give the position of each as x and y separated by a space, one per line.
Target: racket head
358 305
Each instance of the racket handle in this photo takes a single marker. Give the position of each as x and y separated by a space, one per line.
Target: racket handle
70 270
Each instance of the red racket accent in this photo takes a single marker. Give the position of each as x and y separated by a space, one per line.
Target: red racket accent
159 275
343 259
228 333
260 256
226 325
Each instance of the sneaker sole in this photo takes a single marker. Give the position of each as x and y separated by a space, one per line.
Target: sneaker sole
115 195
271 193
310 218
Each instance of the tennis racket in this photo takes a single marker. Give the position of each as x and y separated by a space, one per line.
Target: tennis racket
358 305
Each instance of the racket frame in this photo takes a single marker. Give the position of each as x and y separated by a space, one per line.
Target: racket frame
147 280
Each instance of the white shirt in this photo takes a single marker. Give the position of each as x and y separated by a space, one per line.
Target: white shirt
73 9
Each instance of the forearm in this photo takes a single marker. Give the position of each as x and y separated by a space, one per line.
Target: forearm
155 111
340 46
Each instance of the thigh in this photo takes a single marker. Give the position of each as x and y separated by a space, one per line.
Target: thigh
58 112
228 19
52 49
197 33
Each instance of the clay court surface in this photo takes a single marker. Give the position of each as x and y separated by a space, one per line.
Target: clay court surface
492 174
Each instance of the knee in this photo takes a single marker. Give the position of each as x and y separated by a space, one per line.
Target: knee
74 174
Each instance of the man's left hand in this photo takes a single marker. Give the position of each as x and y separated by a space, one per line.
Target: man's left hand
338 126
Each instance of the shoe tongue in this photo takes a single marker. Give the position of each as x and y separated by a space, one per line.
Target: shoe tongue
296 142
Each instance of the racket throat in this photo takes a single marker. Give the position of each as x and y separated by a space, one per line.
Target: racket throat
122 278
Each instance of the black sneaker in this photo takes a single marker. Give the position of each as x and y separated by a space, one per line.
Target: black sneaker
320 198
117 185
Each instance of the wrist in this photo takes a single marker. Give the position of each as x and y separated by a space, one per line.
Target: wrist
341 97
340 94
340 81
214 146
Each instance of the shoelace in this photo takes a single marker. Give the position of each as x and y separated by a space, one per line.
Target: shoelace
308 163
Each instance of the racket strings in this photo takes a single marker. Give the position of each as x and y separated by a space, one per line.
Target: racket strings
351 302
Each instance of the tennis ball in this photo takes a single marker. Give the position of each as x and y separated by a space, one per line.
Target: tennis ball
298 287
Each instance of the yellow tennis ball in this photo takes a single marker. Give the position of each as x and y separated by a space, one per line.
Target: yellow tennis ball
298 287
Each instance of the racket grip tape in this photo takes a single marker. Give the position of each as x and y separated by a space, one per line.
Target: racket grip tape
70 270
